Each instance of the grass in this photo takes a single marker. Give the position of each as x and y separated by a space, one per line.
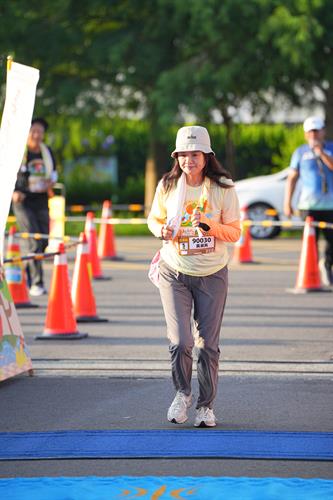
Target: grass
296 234
132 230
75 228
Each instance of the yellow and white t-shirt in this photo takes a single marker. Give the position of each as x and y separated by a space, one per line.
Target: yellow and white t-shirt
219 209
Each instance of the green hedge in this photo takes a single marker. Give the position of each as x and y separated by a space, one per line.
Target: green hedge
81 188
260 149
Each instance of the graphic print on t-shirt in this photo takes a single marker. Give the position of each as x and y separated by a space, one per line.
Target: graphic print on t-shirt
189 209
190 241
38 180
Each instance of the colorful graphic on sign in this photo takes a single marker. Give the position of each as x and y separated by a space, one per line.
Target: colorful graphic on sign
14 355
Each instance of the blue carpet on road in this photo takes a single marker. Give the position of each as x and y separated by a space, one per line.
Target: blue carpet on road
203 443
165 488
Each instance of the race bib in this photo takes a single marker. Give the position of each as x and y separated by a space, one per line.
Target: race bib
193 245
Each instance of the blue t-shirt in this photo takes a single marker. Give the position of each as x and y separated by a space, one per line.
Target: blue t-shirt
316 178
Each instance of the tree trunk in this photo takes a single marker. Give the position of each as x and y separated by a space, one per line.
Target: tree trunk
150 180
157 163
329 111
230 150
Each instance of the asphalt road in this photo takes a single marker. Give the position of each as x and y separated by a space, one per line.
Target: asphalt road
276 367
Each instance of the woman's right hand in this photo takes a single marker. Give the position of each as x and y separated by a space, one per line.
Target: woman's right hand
18 197
166 232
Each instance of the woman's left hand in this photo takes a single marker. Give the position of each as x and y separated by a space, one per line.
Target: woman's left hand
196 218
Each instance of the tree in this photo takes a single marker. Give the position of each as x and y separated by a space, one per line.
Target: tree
157 59
222 56
299 33
50 38
144 50
102 56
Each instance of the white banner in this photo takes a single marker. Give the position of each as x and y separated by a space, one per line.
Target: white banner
15 125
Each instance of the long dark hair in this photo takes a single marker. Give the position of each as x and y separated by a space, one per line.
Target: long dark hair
213 170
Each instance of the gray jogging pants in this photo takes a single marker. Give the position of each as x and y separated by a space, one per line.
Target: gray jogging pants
207 295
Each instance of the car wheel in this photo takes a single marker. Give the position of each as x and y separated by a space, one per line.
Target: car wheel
258 212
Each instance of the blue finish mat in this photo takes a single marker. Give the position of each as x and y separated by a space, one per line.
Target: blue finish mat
202 443
165 488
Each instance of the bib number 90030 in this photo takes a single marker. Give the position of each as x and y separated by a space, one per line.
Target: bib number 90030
192 245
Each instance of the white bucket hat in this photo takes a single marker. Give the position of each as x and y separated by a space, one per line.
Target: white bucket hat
313 123
194 138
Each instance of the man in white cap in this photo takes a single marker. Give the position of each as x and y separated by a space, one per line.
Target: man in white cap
312 163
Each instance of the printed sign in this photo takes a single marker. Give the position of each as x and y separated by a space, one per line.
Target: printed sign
14 355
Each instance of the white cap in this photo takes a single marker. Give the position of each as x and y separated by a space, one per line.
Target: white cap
194 138
313 123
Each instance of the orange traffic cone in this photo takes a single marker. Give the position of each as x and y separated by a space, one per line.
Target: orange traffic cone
106 241
243 250
15 274
90 231
308 278
60 322
82 292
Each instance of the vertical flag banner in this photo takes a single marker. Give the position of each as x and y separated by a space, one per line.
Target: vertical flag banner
15 124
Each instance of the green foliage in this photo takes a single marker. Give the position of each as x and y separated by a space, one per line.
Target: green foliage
261 149
163 59
80 189
255 147
74 138
83 185
293 137
131 143
298 35
132 191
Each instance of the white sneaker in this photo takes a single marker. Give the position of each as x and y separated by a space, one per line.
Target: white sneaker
177 412
37 291
205 417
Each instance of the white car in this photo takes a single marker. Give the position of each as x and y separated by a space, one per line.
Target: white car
262 193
